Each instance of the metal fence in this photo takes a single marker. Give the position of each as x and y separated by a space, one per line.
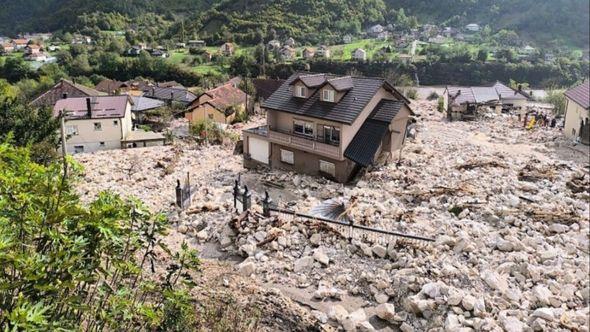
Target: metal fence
183 193
349 230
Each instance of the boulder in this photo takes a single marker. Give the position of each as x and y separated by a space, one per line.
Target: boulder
468 302
365 327
246 268
379 251
303 263
385 311
320 256
381 298
337 313
353 319
315 239
544 313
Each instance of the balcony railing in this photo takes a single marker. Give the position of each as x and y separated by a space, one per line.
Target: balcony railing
301 142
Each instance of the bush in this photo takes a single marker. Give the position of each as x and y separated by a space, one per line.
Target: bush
208 131
241 116
433 96
557 99
66 265
412 93
441 104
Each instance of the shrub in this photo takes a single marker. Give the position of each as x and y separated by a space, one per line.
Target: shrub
412 93
441 104
208 131
433 96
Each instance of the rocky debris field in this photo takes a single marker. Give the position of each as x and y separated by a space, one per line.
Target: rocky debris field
509 210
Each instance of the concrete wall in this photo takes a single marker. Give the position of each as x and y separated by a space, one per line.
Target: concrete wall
574 115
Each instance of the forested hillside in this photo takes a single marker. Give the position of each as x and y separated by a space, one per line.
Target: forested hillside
546 22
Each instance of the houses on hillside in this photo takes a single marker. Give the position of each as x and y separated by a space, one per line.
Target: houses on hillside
464 103
328 125
577 126
220 105
101 123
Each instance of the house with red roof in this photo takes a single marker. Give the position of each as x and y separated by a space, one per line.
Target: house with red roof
220 105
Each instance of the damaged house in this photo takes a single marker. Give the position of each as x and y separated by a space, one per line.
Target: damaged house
321 124
464 103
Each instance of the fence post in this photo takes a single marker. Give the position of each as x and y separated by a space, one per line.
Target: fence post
236 193
178 194
350 231
188 187
246 199
266 204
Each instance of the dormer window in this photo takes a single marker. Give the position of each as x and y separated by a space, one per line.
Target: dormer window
328 95
300 91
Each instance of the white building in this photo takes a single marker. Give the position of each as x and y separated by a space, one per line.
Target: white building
359 54
473 27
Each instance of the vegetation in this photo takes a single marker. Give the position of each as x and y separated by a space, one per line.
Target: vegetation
66 265
557 99
207 131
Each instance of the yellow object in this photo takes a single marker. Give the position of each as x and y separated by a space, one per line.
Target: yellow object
531 123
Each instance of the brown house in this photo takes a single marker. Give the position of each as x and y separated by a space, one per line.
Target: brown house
219 105
227 49
61 89
321 124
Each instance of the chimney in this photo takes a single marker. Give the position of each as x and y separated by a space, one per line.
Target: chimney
64 95
88 107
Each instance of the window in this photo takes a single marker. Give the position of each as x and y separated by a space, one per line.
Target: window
287 157
300 91
101 144
115 123
328 95
72 130
97 126
78 148
303 127
327 168
332 135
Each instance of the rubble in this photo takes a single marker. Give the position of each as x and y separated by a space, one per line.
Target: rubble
509 214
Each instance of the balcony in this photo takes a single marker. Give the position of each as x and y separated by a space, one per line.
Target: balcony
300 142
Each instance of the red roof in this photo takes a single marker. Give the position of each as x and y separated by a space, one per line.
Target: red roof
580 95
21 41
101 107
222 97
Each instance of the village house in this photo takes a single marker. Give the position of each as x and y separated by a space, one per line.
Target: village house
347 39
180 45
287 53
321 124
157 53
273 45
375 30
290 42
323 52
6 48
111 87
142 104
472 27
308 53
78 39
438 39
464 103
40 57
20 44
172 95
359 54
577 113
32 49
220 105
102 123
196 44
227 49
61 89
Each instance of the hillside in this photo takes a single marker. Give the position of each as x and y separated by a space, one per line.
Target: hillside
555 22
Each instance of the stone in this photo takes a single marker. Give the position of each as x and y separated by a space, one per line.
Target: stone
379 251
248 249
542 294
468 302
366 250
495 281
337 313
203 235
455 297
381 298
558 228
282 241
544 313
353 319
365 327
315 239
405 327
246 268
385 311
302 263
322 317
432 290
504 245
320 256
183 229
419 306
479 309
452 323
512 324
260 236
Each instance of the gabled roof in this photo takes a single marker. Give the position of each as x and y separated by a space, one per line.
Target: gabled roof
222 97
580 95
174 94
141 104
386 110
101 107
341 83
108 85
507 92
484 94
266 87
346 110
81 89
366 142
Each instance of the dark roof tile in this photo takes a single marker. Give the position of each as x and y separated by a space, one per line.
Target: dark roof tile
386 110
580 94
366 142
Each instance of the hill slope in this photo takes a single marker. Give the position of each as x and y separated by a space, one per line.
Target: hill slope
546 22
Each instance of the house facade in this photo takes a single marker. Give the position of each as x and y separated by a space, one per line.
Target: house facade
102 123
321 124
577 114
308 53
359 54
323 52
227 49
219 105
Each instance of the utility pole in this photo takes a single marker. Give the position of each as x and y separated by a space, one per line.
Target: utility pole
64 151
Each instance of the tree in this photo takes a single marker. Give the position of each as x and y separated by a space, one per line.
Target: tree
482 55
66 265
15 69
557 99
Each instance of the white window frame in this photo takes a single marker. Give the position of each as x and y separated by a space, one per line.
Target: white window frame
287 157
306 125
72 130
300 91
99 127
328 95
327 167
331 130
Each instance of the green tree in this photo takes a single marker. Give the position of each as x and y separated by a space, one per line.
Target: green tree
66 265
15 69
482 55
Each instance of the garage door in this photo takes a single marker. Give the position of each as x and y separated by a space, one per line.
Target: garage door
259 149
